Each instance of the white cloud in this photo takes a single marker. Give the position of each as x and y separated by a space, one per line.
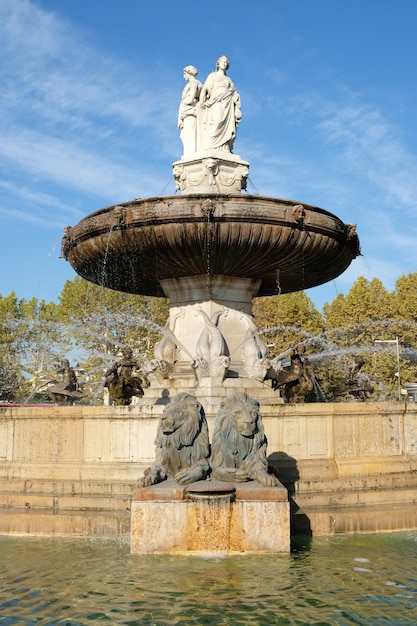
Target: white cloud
52 79
373 148
54 159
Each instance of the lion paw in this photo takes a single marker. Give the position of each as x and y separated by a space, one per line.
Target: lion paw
189 475
266 480
151 477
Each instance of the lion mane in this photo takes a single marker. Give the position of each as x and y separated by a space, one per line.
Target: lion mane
182 443
238 448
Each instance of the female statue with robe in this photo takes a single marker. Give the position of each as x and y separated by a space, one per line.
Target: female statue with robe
187 114
219 113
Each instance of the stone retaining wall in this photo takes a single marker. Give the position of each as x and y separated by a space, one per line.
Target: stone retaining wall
351 456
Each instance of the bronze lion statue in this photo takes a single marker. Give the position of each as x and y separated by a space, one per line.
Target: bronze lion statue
182 444
238 448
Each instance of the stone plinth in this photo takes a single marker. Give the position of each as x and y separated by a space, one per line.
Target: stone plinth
210 318
165 521
212 172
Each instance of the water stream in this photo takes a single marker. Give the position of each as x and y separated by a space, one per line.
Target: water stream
362 580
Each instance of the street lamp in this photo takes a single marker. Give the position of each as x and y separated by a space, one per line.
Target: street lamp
398 360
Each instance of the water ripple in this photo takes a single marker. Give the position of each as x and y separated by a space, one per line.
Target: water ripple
337 581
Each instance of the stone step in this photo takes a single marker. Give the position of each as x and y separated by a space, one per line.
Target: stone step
323 521
352 497
105 524
65 487
80 502
371 481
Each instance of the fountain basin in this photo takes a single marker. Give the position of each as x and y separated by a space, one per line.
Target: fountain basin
132 247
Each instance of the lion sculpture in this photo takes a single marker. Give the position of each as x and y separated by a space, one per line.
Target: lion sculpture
182 444
238 449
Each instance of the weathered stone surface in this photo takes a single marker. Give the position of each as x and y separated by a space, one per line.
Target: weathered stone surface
257 520
212 173
145 241
56 459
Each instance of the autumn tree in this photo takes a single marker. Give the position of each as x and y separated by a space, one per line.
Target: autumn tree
404 307
287 319
370 312
9 356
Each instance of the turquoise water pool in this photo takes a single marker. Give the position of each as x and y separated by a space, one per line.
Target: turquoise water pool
366 579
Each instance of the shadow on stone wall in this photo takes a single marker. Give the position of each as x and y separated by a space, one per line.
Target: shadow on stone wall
285 468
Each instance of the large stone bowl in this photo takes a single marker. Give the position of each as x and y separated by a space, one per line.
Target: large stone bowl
131 247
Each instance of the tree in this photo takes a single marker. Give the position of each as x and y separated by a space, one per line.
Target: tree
30 343
361 315
404 306
101 321
287 319
368 312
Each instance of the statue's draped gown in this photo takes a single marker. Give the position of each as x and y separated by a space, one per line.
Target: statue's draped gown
218 116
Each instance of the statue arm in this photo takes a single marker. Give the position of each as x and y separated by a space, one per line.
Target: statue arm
206 89
204 94
188 102
193 92
238 111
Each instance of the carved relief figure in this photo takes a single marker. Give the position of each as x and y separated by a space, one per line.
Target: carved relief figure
254 351
182 444
187 113
220 111
166 353
211 350
238 449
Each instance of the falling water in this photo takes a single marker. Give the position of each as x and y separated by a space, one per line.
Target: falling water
209 516
208 250
106 254
209 520
278 283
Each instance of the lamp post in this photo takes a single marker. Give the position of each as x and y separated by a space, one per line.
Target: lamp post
398 360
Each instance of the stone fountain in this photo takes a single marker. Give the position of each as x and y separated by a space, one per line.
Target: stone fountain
210 249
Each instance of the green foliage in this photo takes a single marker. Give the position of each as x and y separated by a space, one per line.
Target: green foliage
368 313
30 342
287 319
102 321
91 324
347 329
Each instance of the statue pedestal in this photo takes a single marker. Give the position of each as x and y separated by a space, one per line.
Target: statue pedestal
210 317
165 521
213 172
211 344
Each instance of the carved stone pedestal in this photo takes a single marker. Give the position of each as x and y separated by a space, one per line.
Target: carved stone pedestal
214 173
211 343
165 521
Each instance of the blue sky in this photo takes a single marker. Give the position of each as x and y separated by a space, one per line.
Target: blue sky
88 112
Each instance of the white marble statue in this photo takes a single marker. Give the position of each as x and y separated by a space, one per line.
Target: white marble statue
187 114
219 113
